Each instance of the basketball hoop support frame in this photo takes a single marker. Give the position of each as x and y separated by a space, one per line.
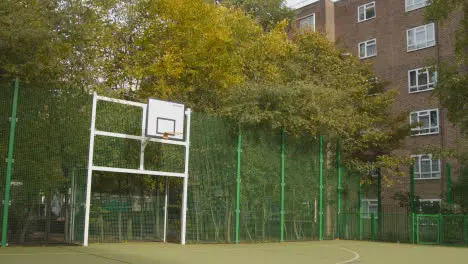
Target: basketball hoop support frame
141 170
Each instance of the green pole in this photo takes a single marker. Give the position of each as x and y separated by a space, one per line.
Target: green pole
238 184
379 202
360 211
321 189
283 136
373 226
449 184
417 230
338 191
466 229
10 163
440 237
412 203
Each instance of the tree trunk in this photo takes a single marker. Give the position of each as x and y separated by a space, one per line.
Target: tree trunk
296 232
67 219
197 211
120 226
48 218
228 222
264 219
26 225
214 223
247 230
101 224
130 226
141 224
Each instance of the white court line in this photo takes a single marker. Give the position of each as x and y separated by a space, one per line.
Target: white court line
33 254
355 259
352 260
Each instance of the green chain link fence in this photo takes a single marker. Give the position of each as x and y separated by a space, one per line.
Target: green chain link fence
246 184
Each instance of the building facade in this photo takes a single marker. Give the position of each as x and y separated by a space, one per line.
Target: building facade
404 50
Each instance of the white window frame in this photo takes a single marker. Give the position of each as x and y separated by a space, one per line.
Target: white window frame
365 7
418 88
304 18
418 174
420 131
366 203
411 5
366 43
423 45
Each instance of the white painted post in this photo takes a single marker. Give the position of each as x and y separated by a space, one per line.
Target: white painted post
184 197
166 200
143 142
90 171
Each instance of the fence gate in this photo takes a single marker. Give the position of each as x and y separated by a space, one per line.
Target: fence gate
428 229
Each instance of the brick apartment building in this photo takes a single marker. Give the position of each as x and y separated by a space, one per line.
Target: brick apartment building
393 35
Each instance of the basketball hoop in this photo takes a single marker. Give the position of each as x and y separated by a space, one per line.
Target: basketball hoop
167 134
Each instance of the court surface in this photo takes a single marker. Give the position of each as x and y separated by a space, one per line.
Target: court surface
325 252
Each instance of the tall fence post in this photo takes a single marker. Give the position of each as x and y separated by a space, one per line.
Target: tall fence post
373 226
360 210
379 203
238 184
321 188
449 183
440 238
338 191
412 204
466 229
11 142
283 136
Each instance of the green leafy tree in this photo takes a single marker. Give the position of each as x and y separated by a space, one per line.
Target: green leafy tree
318 92
268 13
28 40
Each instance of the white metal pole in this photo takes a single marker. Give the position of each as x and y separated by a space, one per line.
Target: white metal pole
166 200
143 143
184 197
90 171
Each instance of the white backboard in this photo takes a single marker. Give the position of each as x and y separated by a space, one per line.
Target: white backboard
165 117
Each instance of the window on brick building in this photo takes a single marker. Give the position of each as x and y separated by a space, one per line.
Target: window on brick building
427 121
415 4
425 167
420 37
366 12
429 206
423 79
369 207
368 49
307 23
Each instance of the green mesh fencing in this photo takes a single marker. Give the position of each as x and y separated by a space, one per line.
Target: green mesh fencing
235 183
330 188
349 220
301 188
260 188
451 225
212 182
49 143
